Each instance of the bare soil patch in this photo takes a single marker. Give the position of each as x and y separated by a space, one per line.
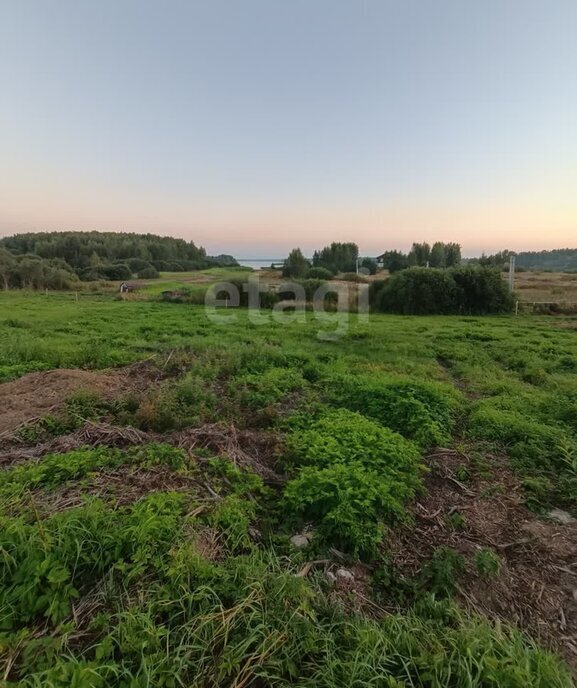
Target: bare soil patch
36 395
536 588
249 449
124 485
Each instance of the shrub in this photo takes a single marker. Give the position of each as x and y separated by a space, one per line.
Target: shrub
418 291
265 299
421 411
320 273
120 271
481 291
148 273
488 563
355 477
369 265
310 287
138 264
272 386
342 436
441 574
428 291
349 503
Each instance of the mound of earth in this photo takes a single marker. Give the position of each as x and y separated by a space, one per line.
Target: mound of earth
35 395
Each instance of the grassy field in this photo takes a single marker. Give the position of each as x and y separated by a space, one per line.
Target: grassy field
199 279
147 523
546 286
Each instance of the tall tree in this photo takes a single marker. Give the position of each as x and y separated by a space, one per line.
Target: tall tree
7 264
338 257
452 254
438 258
419 255
296 265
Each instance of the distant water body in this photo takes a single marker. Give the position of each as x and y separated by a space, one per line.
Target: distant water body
259 263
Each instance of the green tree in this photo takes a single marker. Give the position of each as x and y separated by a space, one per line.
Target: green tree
419 255
338 257
461 290
393 261
296 265
369 264
7 265
438 258
452 255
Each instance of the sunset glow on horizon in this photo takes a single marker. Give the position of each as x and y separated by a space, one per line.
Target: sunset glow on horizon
255 127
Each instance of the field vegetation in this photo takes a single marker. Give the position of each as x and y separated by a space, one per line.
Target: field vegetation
252 505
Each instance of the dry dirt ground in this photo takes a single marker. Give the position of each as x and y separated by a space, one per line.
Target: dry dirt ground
537 585
36 395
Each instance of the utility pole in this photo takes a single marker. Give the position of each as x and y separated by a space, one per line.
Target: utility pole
511 273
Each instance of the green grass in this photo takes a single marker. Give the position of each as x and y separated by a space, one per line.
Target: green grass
352 417
197 280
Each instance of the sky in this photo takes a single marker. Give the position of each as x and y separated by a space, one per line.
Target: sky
253 126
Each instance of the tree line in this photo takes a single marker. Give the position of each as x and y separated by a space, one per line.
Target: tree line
32 272
49 259
439 255
327 262
556 260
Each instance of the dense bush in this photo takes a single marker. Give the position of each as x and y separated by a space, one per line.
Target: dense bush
32 272
148 273
481 291
421 411
309 286
427 291
320 273
418 291
262 389
369 265
394 261
353 476
120 271
137 264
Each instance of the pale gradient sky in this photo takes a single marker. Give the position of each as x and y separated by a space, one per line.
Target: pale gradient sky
252 126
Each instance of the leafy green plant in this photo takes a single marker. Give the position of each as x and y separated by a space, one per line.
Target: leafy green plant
441 574
259 390
343 436
488 563
456 521
422 411
232 516
355 476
